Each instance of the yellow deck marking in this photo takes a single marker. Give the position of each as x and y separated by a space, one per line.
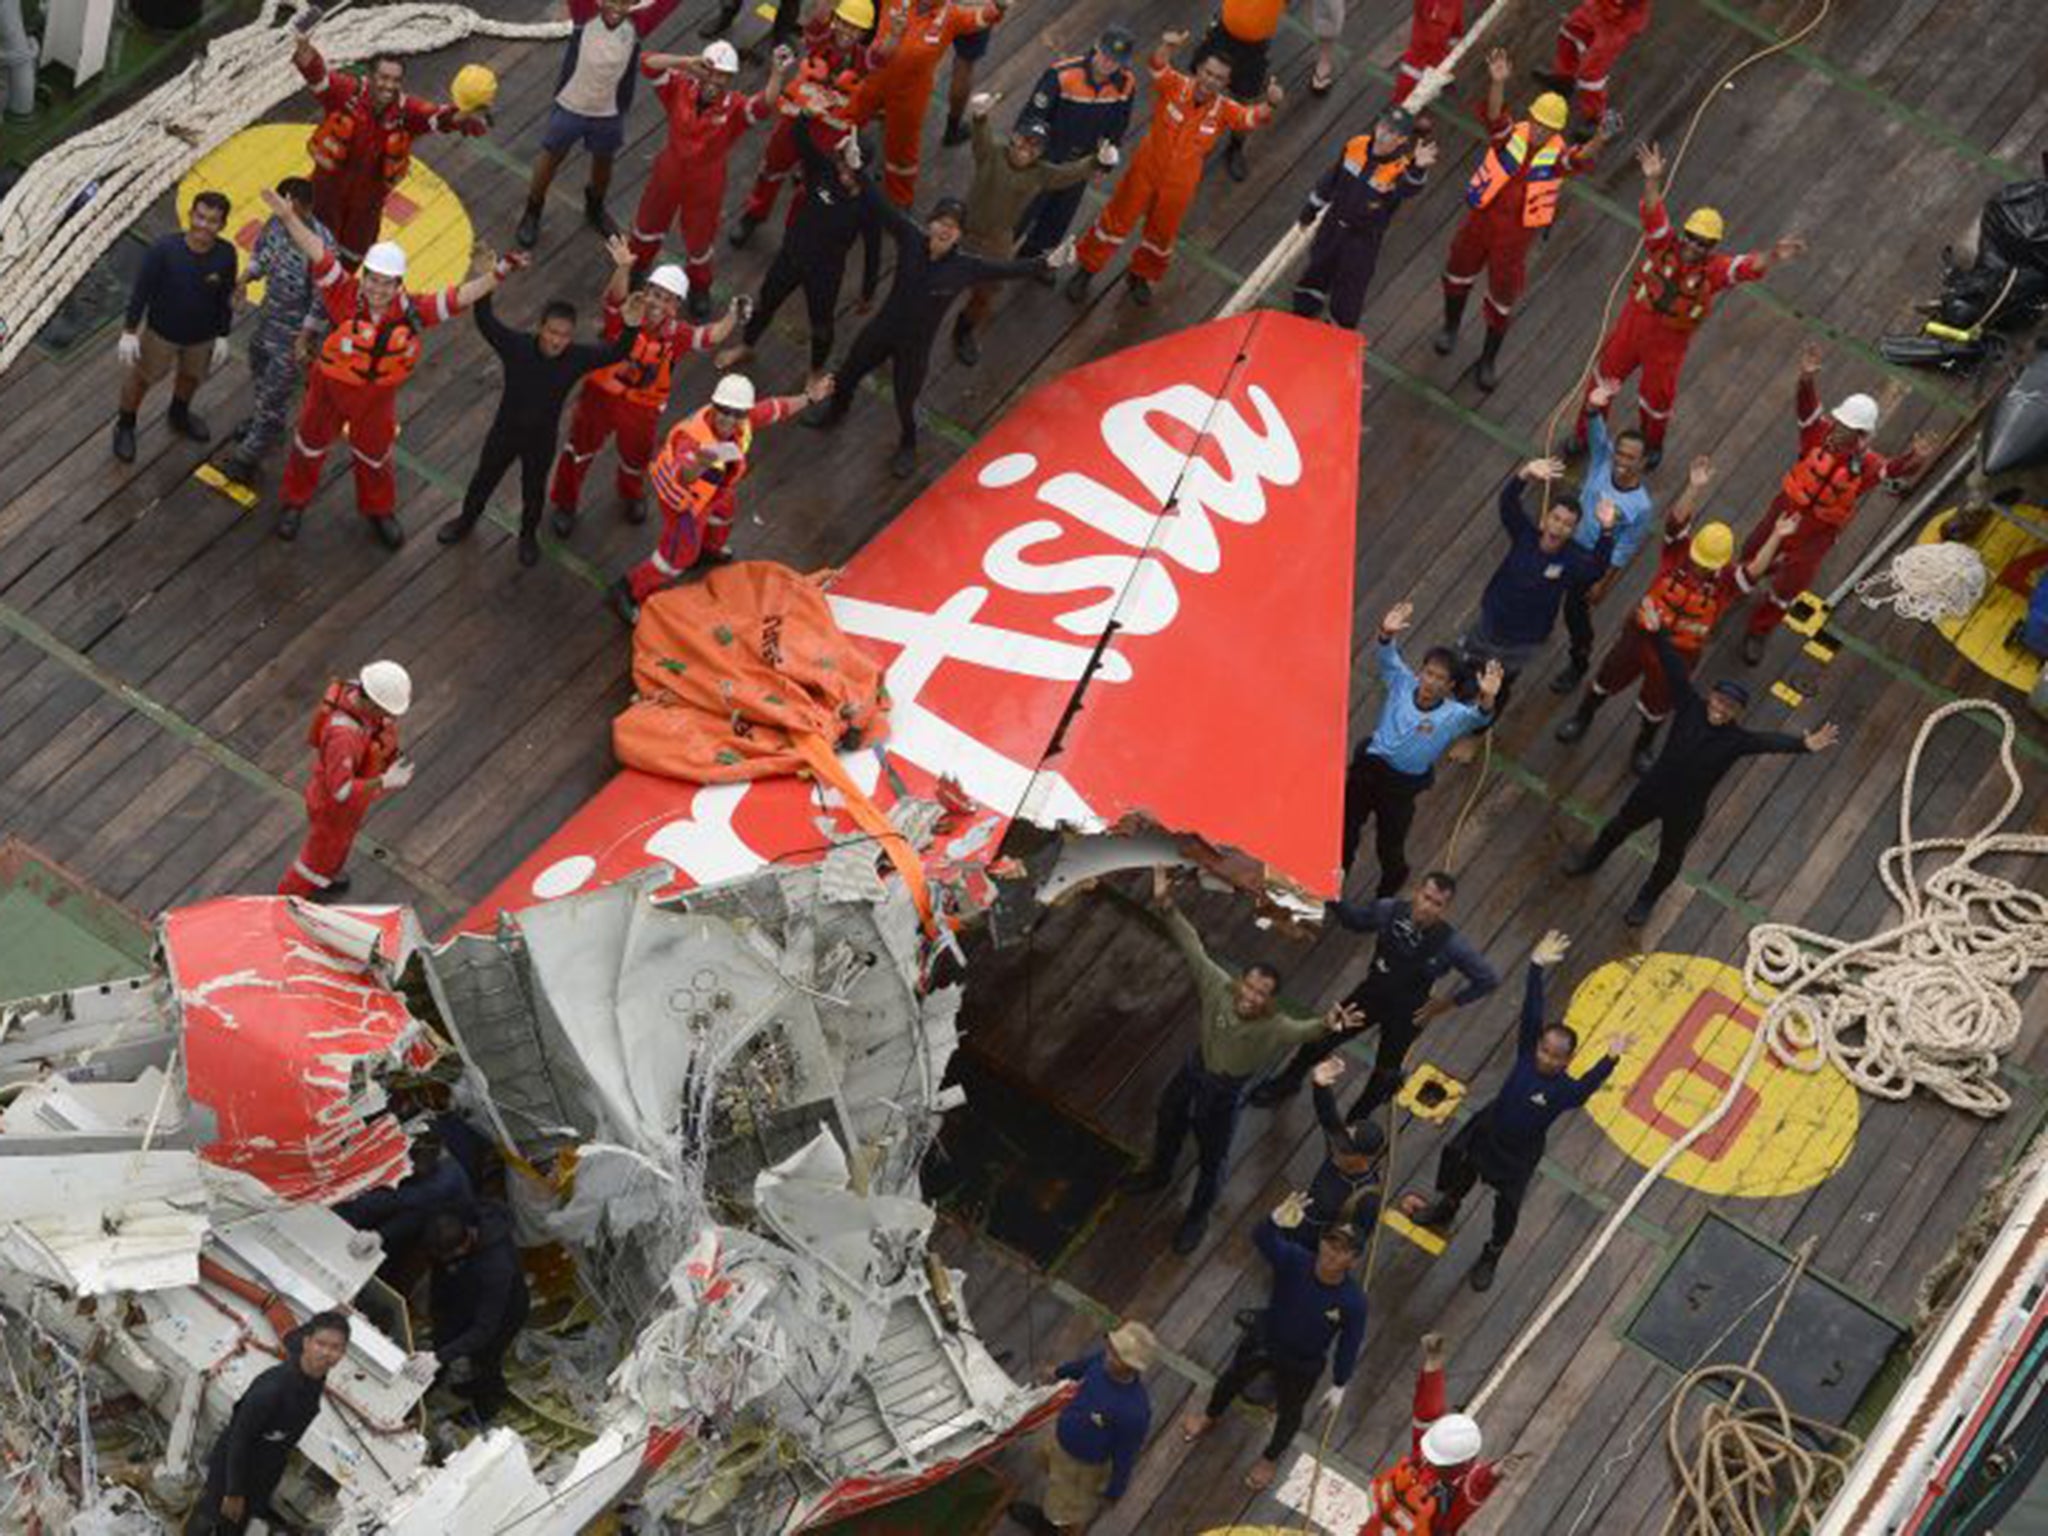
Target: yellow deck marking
234 490
1448 1094
1432 1243
1788 1130
1981 636
425 215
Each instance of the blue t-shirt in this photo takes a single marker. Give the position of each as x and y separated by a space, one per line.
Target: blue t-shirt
1408 737
1107 1420
1530 1103
1528 586
186 297
1635 508
1306 1317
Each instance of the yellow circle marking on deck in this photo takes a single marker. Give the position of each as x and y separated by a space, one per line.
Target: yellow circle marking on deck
1981 636
423 214
1787 1131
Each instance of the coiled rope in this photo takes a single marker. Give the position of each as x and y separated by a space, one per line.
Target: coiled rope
77 199
1928 581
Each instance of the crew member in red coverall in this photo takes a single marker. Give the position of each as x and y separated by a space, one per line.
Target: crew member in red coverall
363 146
1441 1482
1512 198
1589 44
913 37
354 737
626 399
1191 114
1432 34
706 117
1673 294
835 47
696 479
1836 469
354 382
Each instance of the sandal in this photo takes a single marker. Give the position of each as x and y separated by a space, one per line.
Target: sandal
1193 1427
1320 82
1261 1476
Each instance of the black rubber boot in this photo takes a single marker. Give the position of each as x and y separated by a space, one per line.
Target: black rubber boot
965 347
1580 720
527 235
1489 353
1574 673
1454 316
1644 756
188 423
124 437
1481 1278
594 214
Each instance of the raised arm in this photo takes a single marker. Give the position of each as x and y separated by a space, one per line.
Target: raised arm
501 336
495 271
310 245
1369 917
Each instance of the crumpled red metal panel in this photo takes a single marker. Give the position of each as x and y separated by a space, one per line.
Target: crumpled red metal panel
287 1025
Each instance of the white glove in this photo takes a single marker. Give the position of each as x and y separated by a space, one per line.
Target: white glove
1106 155
129 349
1061 256
362 1244
399 774
1333 1398
979 103
220 355
851 151
420 1369
1288 1214
783 57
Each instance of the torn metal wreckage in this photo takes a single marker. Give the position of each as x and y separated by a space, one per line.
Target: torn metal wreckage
713 1106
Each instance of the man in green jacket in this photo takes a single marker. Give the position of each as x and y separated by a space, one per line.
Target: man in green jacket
1008 178
1242 1036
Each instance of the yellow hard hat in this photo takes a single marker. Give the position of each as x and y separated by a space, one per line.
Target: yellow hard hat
1551 110
1713 546
473 88
1705 224
858 14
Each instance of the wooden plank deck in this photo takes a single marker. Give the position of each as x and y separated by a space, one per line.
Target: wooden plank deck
159 651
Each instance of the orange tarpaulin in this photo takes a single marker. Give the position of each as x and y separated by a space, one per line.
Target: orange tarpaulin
745 675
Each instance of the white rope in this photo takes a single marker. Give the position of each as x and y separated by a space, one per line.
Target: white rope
1927 582
1925 1003
107 176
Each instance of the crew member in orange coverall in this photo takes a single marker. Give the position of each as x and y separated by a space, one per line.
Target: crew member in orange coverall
1589 44
362 147
1190 116
835 49
371 351
354 736
1433 32
1440 1484
1513 198
696 479
913 37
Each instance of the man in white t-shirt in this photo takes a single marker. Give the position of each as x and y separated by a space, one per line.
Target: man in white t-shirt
592 95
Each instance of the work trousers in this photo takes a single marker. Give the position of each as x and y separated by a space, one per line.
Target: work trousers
1206 1103
323 856
352 208
779 162
1578 624
1471 1157
1376 791
503 444
1633 656
1589 44
689 194
901 96
1496 244
1792 572
820 282
909 357
1429 42
680 547
1293 1381
1678 824
1341 262
1398 1033
1641 339
273 381
368 414
1047 220
1141 197
601 415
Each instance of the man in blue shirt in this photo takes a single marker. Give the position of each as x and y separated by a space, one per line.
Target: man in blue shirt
1544 562
1096 1439
1503 1143
1418 722
1317 1310
179 313
1082 103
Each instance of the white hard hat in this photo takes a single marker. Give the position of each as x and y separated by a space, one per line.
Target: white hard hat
389 686
670 278
723 57
1858 413
1451 1441
735 392
386 258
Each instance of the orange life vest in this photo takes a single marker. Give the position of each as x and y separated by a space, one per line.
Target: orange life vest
335 138
1411 1498
1689 601
1676 290
1824 485
643 375
1541 168
346 700
366 351
706 496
